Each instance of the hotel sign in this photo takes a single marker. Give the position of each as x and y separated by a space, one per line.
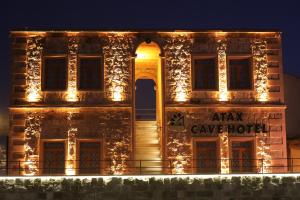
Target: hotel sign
231 122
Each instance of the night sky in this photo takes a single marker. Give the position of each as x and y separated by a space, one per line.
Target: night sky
185 14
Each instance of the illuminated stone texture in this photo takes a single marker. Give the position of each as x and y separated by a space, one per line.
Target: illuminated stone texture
71 142
32 135
224 152
72 70
222 60
178 69
33 70
117 55
259 47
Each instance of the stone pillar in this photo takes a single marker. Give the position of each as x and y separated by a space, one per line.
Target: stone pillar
259 52
117 55
221 51
71 145
178 67
224 151
32 134
72 95
33 69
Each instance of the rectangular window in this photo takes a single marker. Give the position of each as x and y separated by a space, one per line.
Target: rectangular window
90 73
242 160
205 74
240 76
89 158
54 158
206 159
55 73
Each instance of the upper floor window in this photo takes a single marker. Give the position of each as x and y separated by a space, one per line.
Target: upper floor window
90 73
240 73
55 73
205 74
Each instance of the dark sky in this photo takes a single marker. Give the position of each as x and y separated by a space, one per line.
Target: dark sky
163 14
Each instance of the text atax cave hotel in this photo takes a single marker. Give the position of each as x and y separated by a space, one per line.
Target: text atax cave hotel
146 102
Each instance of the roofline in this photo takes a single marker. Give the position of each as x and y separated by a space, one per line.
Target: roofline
27 30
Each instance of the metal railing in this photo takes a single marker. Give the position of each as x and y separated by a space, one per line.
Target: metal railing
147 167
145 114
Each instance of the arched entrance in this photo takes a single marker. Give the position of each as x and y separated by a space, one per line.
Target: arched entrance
148 109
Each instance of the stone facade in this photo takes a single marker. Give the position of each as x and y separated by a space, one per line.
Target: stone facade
107 115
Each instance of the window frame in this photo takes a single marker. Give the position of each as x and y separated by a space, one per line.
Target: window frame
194 151
79 57
253 151
203 57
240 57
102 161
41 154
43 72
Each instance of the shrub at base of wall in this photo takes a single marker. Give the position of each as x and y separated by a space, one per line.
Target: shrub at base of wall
229 188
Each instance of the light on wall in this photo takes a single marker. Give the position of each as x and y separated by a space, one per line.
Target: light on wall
33 58
260 62
72 81
117 94
221 49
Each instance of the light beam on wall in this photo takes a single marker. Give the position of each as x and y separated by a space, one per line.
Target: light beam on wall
33 75
221 49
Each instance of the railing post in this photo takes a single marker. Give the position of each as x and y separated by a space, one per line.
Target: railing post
262 165
170 166
140 167
19 168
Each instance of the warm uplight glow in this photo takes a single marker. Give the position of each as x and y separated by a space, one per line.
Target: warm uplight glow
33 96
117 94
180 96
224 149
223 93
72 76
71 150
260 62
34 53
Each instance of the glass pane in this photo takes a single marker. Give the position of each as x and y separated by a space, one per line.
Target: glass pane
240 73
89 158
205 74
90 73
55 73
206 157
54 158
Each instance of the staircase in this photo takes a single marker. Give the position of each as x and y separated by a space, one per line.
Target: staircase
147 148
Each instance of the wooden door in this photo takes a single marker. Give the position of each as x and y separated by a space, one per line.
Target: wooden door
206 157
89 158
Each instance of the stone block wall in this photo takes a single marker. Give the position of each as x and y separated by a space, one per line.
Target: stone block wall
70 114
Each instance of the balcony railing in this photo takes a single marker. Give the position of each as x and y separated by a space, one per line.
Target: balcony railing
150 167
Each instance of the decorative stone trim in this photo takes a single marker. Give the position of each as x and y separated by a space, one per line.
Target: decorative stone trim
33 75
117 54
259 52
178 65
32 134
72 70
221 51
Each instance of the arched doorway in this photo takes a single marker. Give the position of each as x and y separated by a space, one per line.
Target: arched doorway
148 109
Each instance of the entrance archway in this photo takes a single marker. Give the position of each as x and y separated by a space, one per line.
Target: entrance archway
148 109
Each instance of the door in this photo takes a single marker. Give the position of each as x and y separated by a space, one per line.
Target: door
206 157
242 159
54 158
89 158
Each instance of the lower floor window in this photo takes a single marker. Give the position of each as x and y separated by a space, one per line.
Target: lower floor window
54 158
242 157
89 158
206 157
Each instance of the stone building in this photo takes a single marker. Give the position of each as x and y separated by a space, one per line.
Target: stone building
218 103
